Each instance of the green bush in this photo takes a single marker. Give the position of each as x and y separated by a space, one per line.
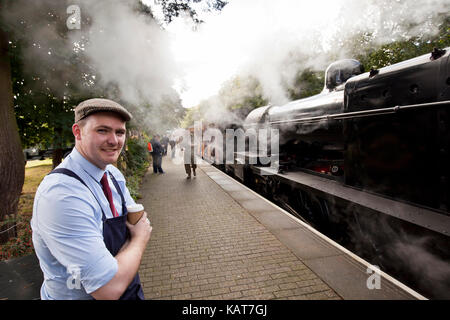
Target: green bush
136 159
20 245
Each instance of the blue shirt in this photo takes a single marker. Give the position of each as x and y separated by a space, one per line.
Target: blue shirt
68 229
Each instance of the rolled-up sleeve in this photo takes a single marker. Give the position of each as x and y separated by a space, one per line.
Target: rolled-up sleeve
73 234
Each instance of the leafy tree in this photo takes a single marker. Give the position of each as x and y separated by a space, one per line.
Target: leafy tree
378 57
46 92
44 95
306 84
173 8
240 95
160 117
191 115
236 98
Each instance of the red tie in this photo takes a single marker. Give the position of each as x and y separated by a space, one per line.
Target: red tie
108 194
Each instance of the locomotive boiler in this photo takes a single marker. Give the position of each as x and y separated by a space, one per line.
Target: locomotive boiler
367 161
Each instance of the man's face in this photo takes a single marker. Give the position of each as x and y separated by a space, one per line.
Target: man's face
101 138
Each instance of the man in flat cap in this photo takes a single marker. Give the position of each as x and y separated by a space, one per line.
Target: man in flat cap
86 247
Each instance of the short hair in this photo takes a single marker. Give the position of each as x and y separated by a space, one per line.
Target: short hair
82 122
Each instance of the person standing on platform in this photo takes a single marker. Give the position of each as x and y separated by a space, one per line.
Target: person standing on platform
157 154
188 146
165 143
85 246
172 148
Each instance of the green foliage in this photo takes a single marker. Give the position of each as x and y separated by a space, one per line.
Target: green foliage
48 77
191 115
236 98
394 52
306 84
46 92
248 104
136 157
20 245
173 8
158 118
240 95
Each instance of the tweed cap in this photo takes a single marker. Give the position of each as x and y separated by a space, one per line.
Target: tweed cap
91 106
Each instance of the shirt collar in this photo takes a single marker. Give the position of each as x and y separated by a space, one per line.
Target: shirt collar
94 171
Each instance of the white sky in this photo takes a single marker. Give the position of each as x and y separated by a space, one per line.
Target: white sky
192 53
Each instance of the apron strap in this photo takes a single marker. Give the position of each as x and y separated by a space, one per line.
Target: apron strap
72 174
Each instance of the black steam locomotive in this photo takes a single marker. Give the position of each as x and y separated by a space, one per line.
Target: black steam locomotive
367 161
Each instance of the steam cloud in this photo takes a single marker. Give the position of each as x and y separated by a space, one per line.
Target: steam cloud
273 40
131 51
119 48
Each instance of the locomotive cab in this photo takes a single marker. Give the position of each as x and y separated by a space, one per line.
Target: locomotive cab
339 72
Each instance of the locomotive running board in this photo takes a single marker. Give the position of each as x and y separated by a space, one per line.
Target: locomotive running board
361 114
416 215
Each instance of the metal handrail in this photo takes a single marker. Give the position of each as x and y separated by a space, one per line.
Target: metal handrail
360 114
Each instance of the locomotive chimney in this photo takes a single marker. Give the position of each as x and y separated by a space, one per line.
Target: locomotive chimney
437 53
373 72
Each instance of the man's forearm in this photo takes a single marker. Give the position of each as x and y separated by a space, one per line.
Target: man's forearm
128 260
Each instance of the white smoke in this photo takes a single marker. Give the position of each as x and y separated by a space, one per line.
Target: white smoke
130 50
119 47
273 40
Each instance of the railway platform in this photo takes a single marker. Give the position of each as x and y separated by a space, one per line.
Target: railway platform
215 239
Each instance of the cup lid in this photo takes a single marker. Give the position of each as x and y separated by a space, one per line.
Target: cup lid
135 207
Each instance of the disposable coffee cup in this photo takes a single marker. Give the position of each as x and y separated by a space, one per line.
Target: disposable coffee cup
135 213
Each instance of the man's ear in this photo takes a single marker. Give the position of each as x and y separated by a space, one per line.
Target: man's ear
76 130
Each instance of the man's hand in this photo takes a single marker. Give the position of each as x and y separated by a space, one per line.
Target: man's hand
141 231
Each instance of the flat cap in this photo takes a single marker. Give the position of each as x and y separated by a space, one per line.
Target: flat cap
91 106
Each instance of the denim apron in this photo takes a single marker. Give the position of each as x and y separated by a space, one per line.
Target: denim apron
115 234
